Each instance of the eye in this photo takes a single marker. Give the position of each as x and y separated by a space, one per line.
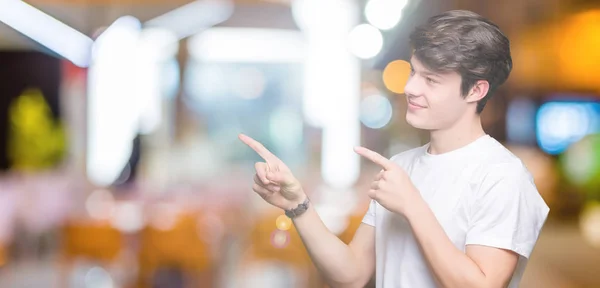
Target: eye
430 80
412 72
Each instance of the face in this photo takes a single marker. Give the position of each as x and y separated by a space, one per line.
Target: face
435 101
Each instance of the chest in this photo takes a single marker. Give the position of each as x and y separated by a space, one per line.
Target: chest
447 191
444 188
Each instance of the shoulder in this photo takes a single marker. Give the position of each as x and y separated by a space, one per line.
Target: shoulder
502 175
497 163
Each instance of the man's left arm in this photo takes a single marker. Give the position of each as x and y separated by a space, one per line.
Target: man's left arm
481 266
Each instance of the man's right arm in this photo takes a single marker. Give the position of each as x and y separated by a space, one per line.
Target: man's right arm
341 265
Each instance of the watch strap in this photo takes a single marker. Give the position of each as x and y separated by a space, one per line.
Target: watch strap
303 207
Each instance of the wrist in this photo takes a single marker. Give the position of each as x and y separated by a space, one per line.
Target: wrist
298 208
294 204
415 209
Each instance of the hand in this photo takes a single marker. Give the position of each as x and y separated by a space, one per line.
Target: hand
273 180
392 187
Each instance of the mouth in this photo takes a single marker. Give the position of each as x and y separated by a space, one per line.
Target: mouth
414 105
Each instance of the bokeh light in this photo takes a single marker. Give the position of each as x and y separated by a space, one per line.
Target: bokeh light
395 75
365 41
283 223
163 216
315 15
581 163
100 204
384 14
559 124
128 217
375 111
280 239
579 50
590 224
97 277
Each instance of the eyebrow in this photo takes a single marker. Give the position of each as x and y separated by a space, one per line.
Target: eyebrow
426 72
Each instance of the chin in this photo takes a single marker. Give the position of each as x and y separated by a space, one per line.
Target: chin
419 122
414 121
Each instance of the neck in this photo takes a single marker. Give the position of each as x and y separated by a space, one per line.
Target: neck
462 133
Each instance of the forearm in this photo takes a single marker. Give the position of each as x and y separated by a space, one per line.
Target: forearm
451 267
335 260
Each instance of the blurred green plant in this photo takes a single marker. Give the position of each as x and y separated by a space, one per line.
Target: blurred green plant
581 165
36 140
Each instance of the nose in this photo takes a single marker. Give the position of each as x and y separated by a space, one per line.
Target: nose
412 87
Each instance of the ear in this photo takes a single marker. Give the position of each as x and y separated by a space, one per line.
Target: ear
479 90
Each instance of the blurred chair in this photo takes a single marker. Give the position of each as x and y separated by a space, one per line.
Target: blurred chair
177 248
268 244
94 240
90 240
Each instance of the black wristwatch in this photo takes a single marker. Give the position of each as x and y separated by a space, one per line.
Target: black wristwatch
293 213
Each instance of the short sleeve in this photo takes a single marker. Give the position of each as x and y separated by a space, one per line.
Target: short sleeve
508 211
369 218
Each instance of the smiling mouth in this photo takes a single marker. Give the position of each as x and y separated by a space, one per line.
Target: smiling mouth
415 104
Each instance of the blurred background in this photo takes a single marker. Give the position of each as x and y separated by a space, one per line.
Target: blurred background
119 159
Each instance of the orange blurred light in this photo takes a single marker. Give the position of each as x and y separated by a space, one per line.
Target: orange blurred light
562 55
579 50
395 75
283 223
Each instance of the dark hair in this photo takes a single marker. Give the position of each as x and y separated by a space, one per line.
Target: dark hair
467 43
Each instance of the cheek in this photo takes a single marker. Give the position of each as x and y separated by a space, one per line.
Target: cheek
447 107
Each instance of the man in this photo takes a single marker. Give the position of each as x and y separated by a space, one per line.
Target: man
460 211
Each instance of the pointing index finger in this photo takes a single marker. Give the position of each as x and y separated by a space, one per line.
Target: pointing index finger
375 157
258 148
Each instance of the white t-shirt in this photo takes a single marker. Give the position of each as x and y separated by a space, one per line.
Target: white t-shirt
481 194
